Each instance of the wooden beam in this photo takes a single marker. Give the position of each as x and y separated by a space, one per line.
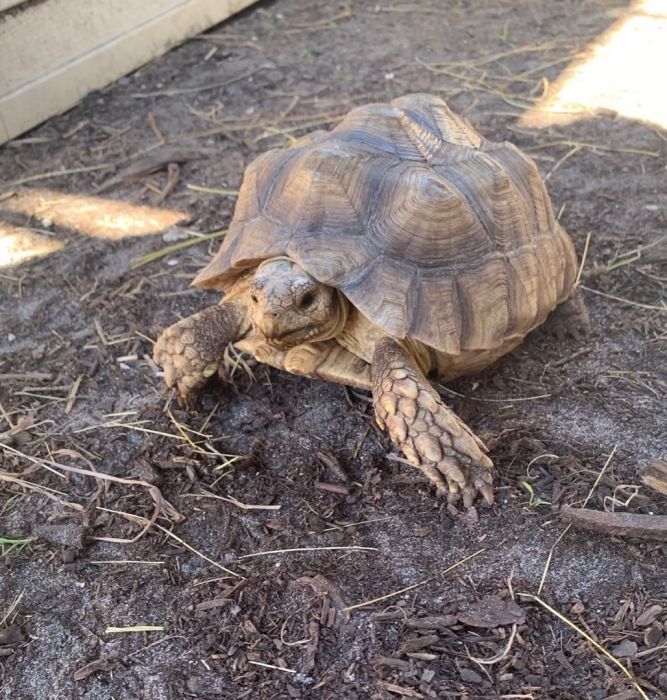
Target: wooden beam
55 52
8 4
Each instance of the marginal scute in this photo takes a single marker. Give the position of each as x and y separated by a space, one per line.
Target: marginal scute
432 232
486 314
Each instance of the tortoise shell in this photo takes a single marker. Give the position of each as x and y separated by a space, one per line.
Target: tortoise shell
431 231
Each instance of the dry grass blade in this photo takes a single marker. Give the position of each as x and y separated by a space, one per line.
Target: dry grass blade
71 397
43 490
134 628
308 549
161 503
325 23
233 359
123 562
589 639
201 88
509 399
57 173
597 147
414 585
146 523
232 500
343 527
10 610
227 460
175 247
500 656
212 190
26 376
629 302
560 161
567 529
584 255
131 426
162 506
271 666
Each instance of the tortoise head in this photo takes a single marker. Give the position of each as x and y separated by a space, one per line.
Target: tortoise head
289 307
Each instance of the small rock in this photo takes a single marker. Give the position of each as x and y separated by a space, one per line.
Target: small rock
210 685
11 635
492 612
653 635
470 676
662 680
68 556
578 608
625 649
175 234
649 615
598 694
629 694
68 535
418 643
427 675
434 622
101 664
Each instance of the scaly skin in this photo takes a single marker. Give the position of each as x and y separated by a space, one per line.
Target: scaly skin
429 434
569 318
190 351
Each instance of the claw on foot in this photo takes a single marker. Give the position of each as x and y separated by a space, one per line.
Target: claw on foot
190 352
430 435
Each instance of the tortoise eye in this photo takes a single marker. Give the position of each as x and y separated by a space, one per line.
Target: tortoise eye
306 300
254 297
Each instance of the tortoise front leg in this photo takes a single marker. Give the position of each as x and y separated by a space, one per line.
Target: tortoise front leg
326 360
429 434
190 351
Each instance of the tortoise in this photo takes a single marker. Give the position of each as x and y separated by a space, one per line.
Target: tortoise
398 245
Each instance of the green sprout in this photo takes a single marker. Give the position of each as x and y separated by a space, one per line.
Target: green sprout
535 500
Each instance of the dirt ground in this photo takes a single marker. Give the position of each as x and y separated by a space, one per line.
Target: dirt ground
74 359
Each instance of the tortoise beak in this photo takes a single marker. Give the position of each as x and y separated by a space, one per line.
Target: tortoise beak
288 339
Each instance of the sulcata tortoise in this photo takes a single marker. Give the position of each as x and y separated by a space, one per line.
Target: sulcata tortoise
399 244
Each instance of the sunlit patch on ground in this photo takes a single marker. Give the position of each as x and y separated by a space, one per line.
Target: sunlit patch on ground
20 244
623 71
92 216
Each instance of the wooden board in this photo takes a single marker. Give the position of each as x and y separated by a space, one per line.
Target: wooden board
54 52
7 4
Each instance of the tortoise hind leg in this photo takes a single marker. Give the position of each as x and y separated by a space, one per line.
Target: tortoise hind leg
190 351
429 434
569 318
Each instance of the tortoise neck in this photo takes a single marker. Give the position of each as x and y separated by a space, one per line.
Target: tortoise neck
339 317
